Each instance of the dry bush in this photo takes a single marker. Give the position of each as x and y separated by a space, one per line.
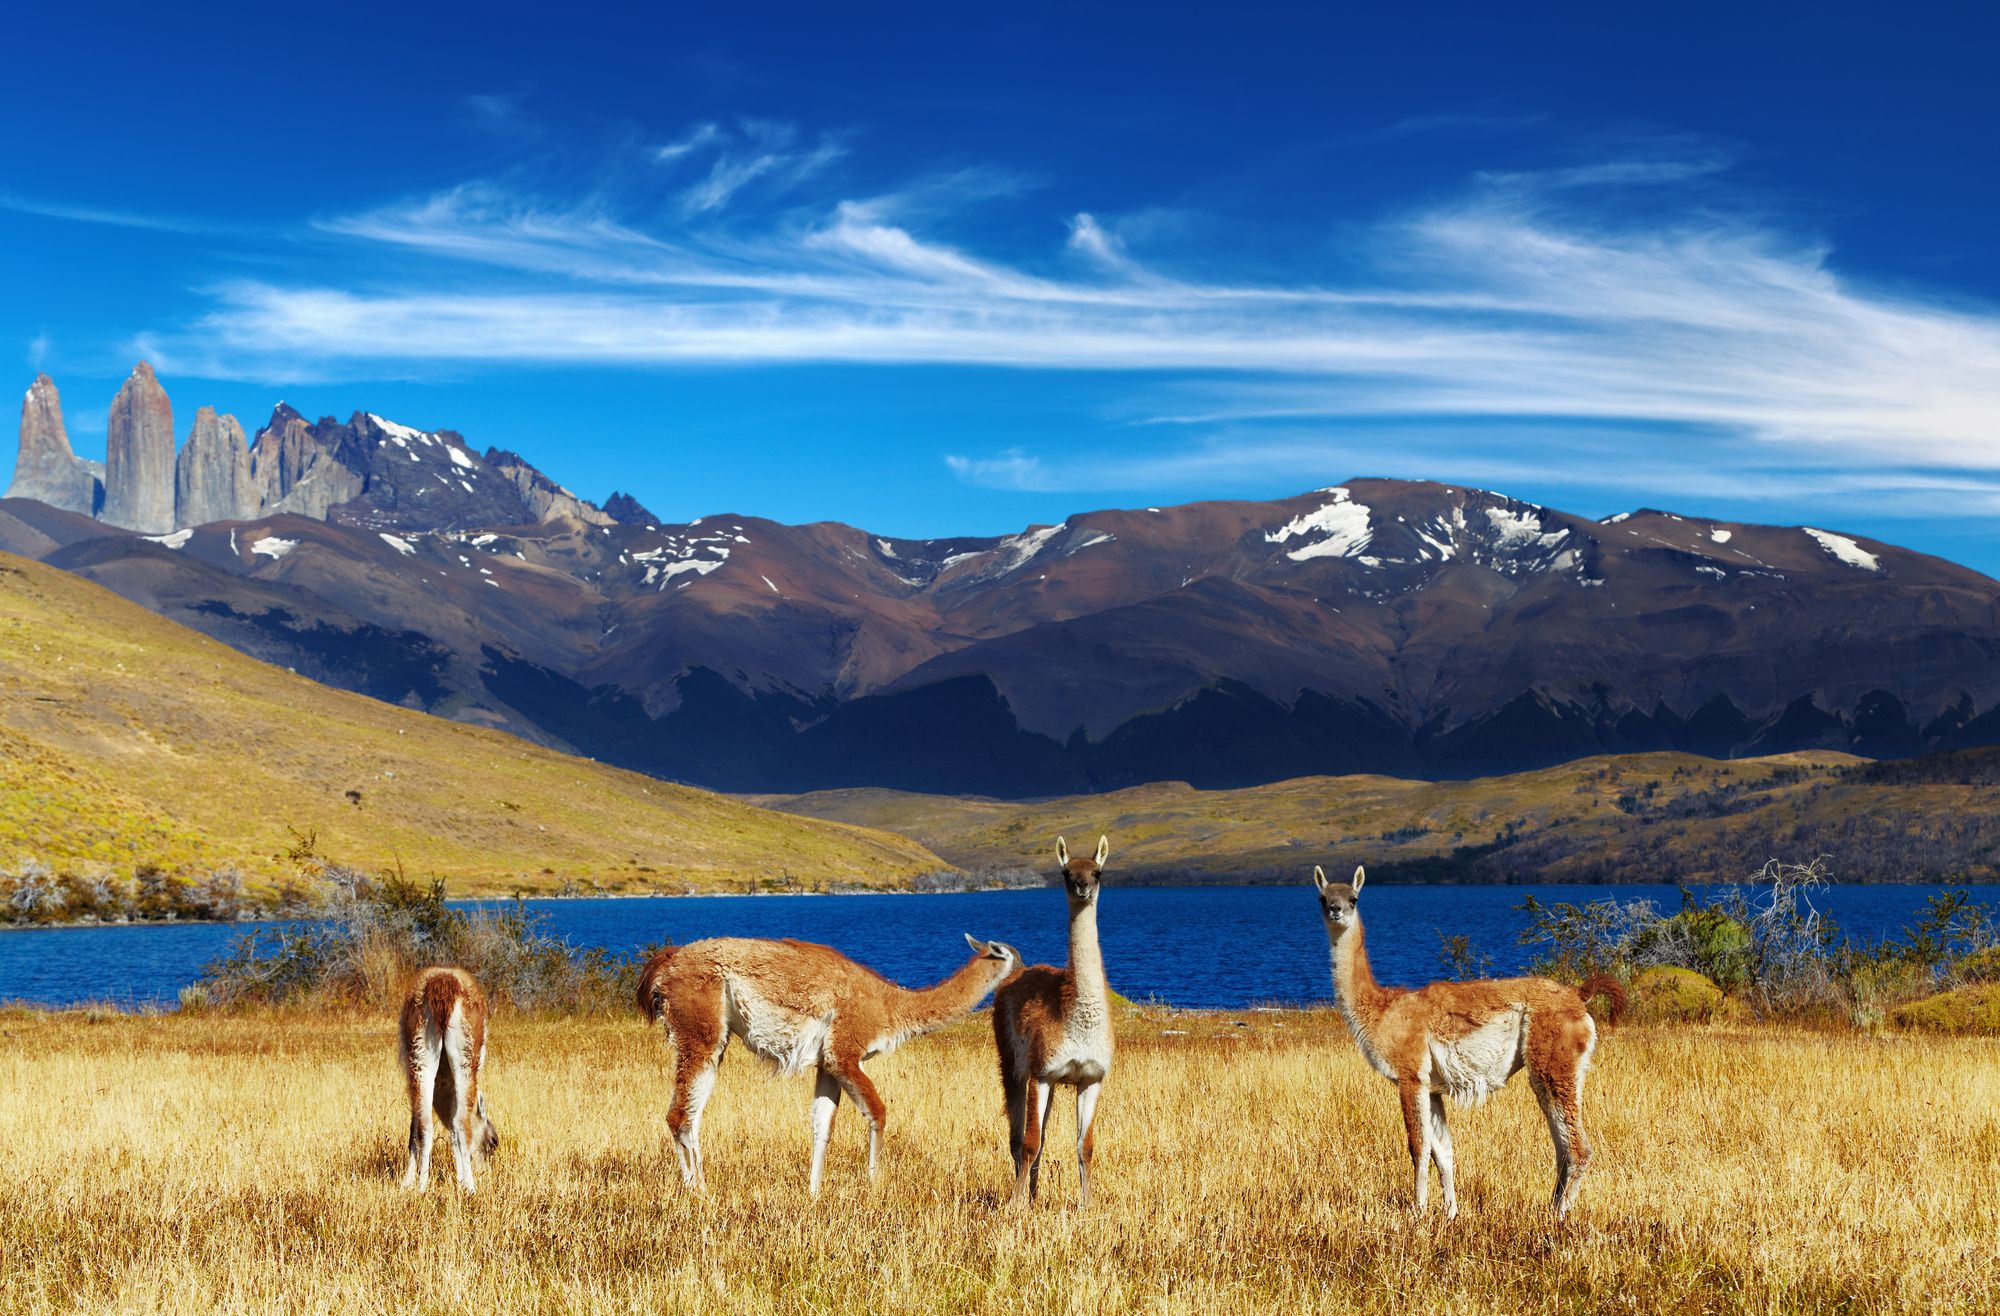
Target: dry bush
370 937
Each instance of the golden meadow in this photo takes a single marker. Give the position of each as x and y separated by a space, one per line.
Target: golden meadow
247 1161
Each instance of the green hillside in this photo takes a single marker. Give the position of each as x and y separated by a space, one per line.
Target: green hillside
130 743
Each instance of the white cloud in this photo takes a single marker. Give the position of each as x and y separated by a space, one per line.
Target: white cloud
758 150
502 114
1534 299
702 134
1012 469
80 214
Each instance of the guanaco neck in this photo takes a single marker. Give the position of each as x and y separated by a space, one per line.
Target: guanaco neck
1086 961
1355 990
931 1007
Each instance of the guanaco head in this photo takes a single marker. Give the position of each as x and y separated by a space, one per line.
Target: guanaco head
1081 876
489 1133
1006 959
1338 900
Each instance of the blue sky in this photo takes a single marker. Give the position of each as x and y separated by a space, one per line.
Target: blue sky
935 271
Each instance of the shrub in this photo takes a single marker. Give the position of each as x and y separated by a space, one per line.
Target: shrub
374 936
1580 940
1702 938
1460 960
1973 1009
1668 995
1979 966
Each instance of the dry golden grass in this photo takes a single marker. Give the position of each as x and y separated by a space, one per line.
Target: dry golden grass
249 1164
127 740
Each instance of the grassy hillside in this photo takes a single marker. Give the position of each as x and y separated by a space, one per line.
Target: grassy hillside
1630 818
128 742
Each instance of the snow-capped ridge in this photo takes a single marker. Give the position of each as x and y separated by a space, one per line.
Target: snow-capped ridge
1344 523
1845 549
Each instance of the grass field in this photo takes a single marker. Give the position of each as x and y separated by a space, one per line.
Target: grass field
130 742
1245 1163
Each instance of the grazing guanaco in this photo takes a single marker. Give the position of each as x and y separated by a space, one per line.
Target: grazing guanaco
796 1005
443 1027
1465 1040
1053 1026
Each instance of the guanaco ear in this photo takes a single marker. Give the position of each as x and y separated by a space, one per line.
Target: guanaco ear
977 944
1360 876
1103 850
1062 852
1319 877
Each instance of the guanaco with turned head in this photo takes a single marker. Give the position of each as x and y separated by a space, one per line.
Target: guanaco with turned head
796 1005
1053 1027
1465 1040
443 1029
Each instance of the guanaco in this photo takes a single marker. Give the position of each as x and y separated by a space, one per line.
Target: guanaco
443 1027
797 1005
1053 1027
1465 1040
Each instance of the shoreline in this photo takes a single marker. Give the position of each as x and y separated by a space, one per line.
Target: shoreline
956 890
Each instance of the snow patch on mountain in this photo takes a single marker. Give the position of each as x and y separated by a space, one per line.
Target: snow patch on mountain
400 433
1343 523
1845 549
273 547
177 539
397 542
673 569
1021 548
1522 529
1719 536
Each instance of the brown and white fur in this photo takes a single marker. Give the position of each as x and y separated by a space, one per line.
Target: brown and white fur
1464 1040
1053 1026
443 1028
798 1006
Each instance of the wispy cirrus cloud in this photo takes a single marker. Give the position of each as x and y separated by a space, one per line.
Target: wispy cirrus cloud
1581 299
773 156
114 218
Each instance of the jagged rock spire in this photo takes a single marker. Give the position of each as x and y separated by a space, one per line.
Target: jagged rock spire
212 475
627 510
45 469
139 456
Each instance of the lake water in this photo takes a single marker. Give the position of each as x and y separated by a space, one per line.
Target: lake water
1197 947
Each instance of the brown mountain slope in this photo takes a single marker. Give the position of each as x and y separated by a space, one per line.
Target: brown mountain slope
127 741
1658 817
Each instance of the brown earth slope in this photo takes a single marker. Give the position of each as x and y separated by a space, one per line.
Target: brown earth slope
1629 818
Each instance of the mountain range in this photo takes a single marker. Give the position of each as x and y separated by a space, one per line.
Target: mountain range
1400 627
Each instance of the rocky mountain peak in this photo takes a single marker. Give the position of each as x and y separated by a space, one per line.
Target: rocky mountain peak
45 469
545 499
212 475
627 510
139 456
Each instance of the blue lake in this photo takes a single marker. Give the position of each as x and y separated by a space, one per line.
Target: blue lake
1198 947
